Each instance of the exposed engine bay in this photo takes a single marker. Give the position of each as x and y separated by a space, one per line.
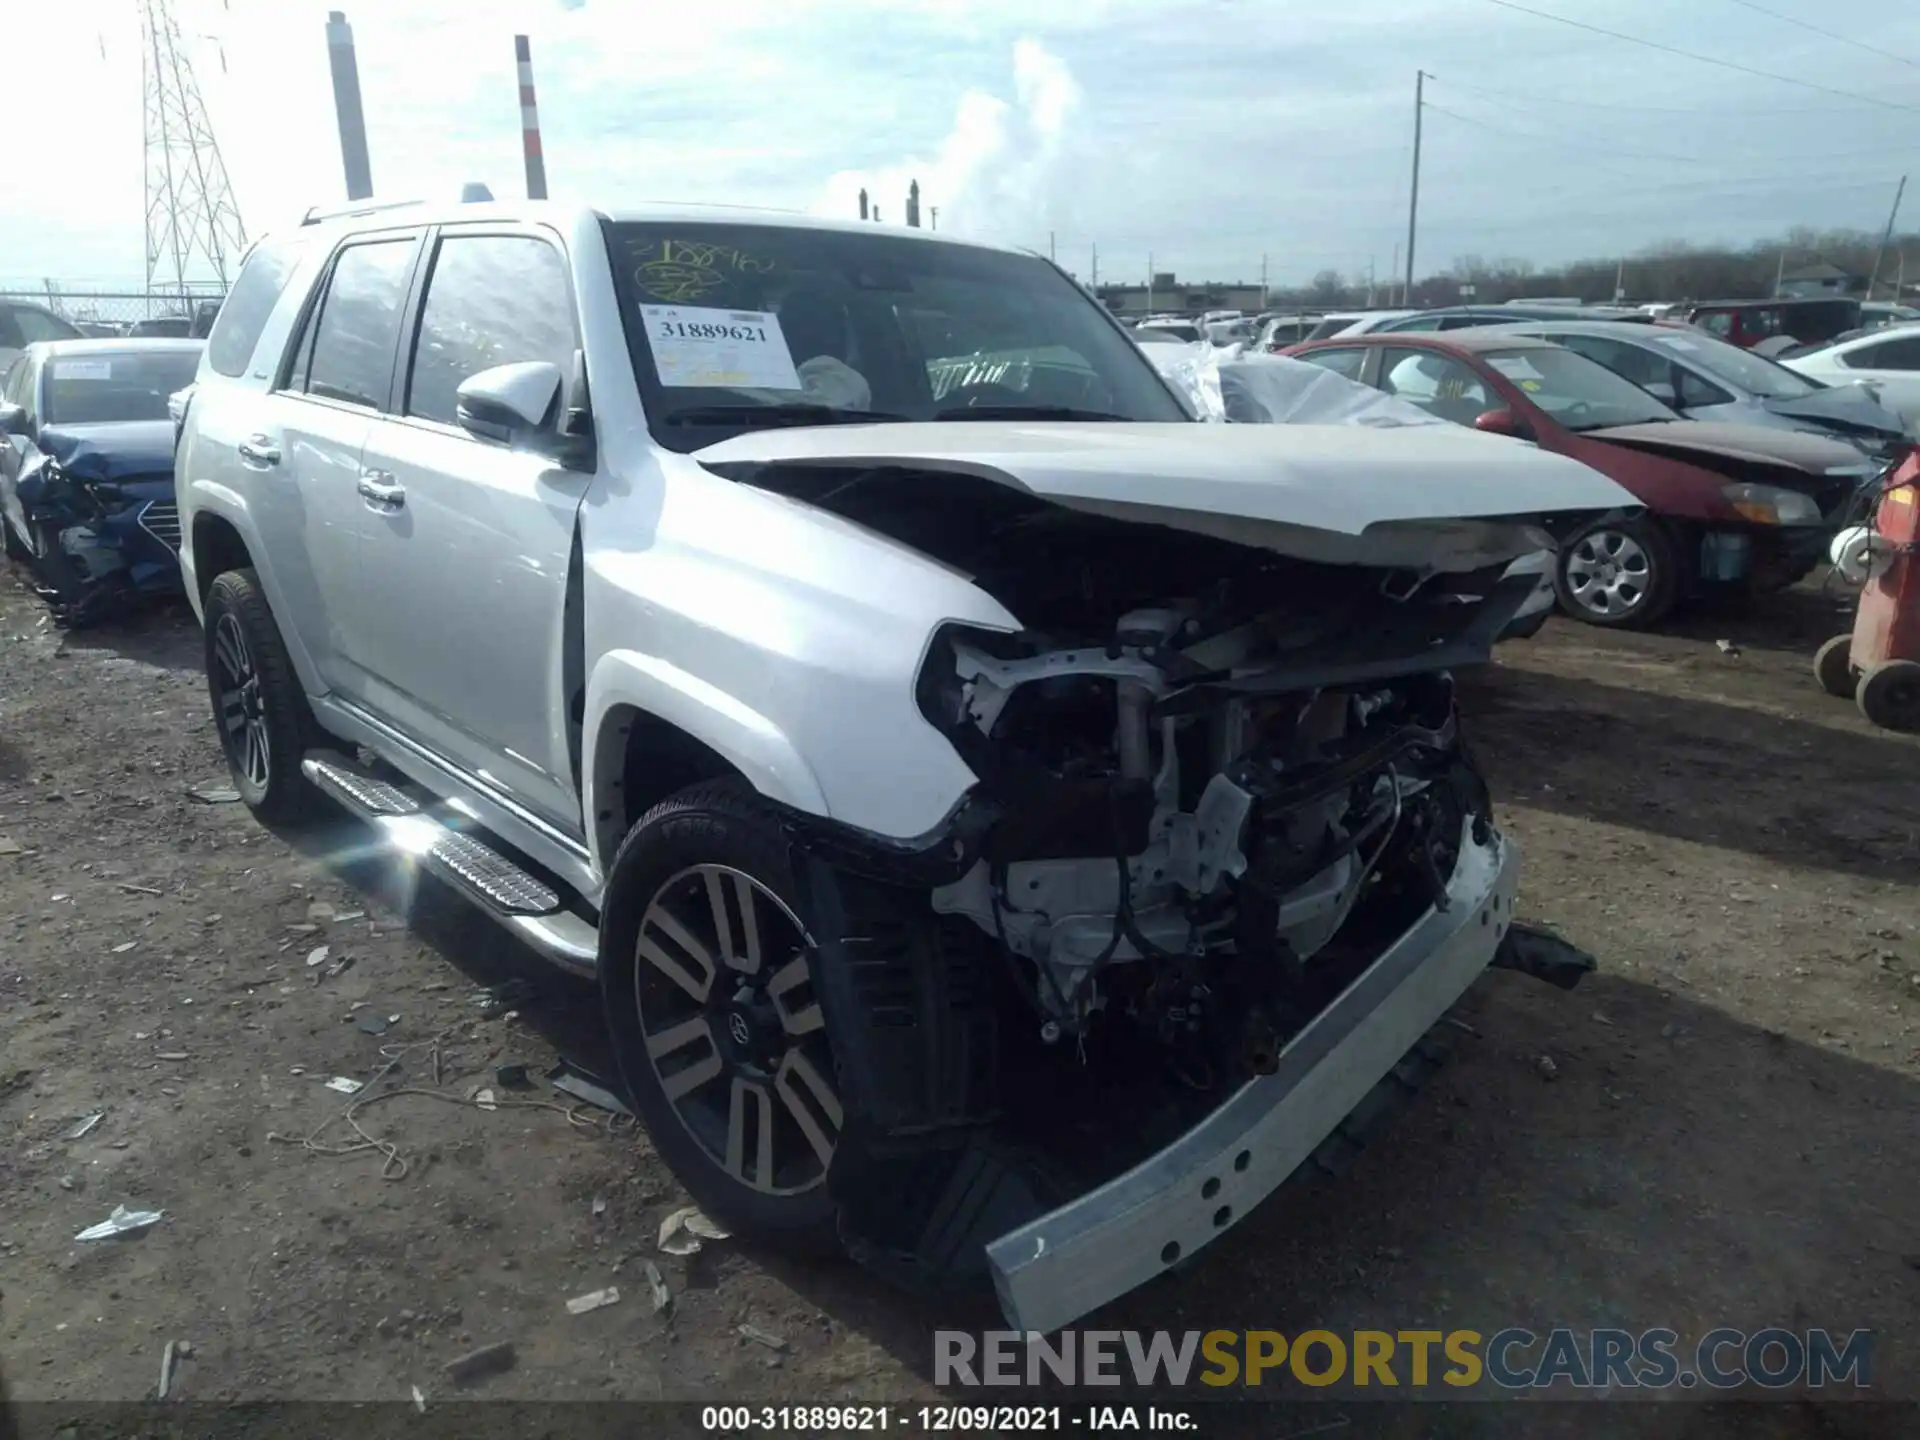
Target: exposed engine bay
1224 778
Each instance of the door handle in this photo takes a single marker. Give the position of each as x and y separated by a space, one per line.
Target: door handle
259 450
377 488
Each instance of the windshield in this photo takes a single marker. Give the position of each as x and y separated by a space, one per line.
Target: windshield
1742 369
1579 393
734 327
1332 325
102 387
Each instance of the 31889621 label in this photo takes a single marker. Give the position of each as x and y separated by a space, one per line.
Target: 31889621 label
700 348
918 1419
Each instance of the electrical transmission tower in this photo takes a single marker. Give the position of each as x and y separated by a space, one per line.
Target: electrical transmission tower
193 227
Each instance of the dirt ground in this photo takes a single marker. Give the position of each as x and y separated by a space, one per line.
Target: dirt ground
1717 1129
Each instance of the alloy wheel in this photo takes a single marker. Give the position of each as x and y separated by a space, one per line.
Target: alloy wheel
733 1030
243 714
1609 573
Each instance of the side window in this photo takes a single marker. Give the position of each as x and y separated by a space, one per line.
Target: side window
358 326
13 386
10 336
1467 322
1438 384
36 325
1349 360
1901 354
492 300
1696 390
1412 322
1717 322
249 305
1629 362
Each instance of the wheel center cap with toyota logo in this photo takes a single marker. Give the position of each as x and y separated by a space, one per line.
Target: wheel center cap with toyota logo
738 1027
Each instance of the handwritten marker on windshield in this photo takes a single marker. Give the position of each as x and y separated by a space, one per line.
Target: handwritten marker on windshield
530 122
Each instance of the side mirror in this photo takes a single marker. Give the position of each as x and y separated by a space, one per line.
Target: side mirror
1502 422
509 402
13 420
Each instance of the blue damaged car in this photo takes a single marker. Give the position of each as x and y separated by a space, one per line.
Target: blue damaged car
86 471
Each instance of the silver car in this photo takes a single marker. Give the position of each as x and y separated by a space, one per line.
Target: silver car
1707 379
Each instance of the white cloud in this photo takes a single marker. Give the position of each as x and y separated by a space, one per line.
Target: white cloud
996 170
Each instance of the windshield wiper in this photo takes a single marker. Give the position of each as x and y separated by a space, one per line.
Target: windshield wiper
1023 412
777 415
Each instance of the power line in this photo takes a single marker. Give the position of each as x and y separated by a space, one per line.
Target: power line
1612 107
1702 59
1570 144
1824 34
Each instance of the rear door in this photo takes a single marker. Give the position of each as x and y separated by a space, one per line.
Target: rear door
465 557
1892 365
302 455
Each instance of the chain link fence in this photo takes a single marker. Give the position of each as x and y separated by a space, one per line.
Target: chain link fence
121 309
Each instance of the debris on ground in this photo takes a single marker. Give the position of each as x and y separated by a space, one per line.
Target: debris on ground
133 889
67 1182
1727 647
593 1300
599 1206
762 1337
344 1085
121 1222
478 1364
166 1371
486 1099
124 947
11 847
82 1126
569 1080
171 1055
319 912
317 955
507 995
215 795
513 1076
377 1024
1548 1070
419 1400
662 1296
686 1229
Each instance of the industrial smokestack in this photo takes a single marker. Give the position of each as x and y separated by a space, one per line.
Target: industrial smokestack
346 104
863 204
530 123
913 204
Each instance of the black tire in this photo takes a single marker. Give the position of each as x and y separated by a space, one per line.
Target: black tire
1889 695
258 702
666 860
1833 667
1643 585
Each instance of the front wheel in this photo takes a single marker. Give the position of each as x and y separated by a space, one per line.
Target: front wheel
1833 667
1889 695
1619 573
258 704
708 988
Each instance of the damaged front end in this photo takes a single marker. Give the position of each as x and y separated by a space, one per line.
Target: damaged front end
1229 860
99 527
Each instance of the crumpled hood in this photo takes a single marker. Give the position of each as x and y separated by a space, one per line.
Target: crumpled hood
121 451
1851 405
1815 454
1342 493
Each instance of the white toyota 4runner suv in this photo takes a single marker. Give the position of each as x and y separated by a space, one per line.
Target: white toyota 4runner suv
1013 826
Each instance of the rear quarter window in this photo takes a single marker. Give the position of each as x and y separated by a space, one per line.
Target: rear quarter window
250 304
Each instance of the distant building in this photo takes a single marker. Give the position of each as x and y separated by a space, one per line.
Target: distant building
1168 295
1819 278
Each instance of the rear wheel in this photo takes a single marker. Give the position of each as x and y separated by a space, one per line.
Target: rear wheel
1622 573
1833 667
1889 695
708 988
258 704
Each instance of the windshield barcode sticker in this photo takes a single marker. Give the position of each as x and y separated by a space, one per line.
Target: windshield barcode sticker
83 370
697 348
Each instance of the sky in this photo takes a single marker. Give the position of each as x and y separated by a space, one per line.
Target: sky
1208 137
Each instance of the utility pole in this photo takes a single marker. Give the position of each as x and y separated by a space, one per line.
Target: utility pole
934 211
1051 253
1393 273
1413 197
1887 237
1369 281
1779 274
1149 282
1620 281
1263 282
1096 265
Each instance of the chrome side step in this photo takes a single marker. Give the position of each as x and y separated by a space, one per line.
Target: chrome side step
525 904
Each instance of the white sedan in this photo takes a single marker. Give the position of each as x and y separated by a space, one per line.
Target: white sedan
1888 360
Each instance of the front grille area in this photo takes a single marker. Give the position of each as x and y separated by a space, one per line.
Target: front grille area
161 519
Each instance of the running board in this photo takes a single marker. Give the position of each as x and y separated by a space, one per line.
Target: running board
525 904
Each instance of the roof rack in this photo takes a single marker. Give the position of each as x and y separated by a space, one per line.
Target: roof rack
318 213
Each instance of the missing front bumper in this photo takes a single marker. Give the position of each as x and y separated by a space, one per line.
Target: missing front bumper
1053 1270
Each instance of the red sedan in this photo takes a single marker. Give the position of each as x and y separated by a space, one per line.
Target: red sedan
1727 505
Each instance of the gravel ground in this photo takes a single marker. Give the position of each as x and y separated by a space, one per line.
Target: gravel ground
1717 1129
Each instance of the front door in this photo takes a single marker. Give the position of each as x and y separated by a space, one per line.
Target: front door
467 542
